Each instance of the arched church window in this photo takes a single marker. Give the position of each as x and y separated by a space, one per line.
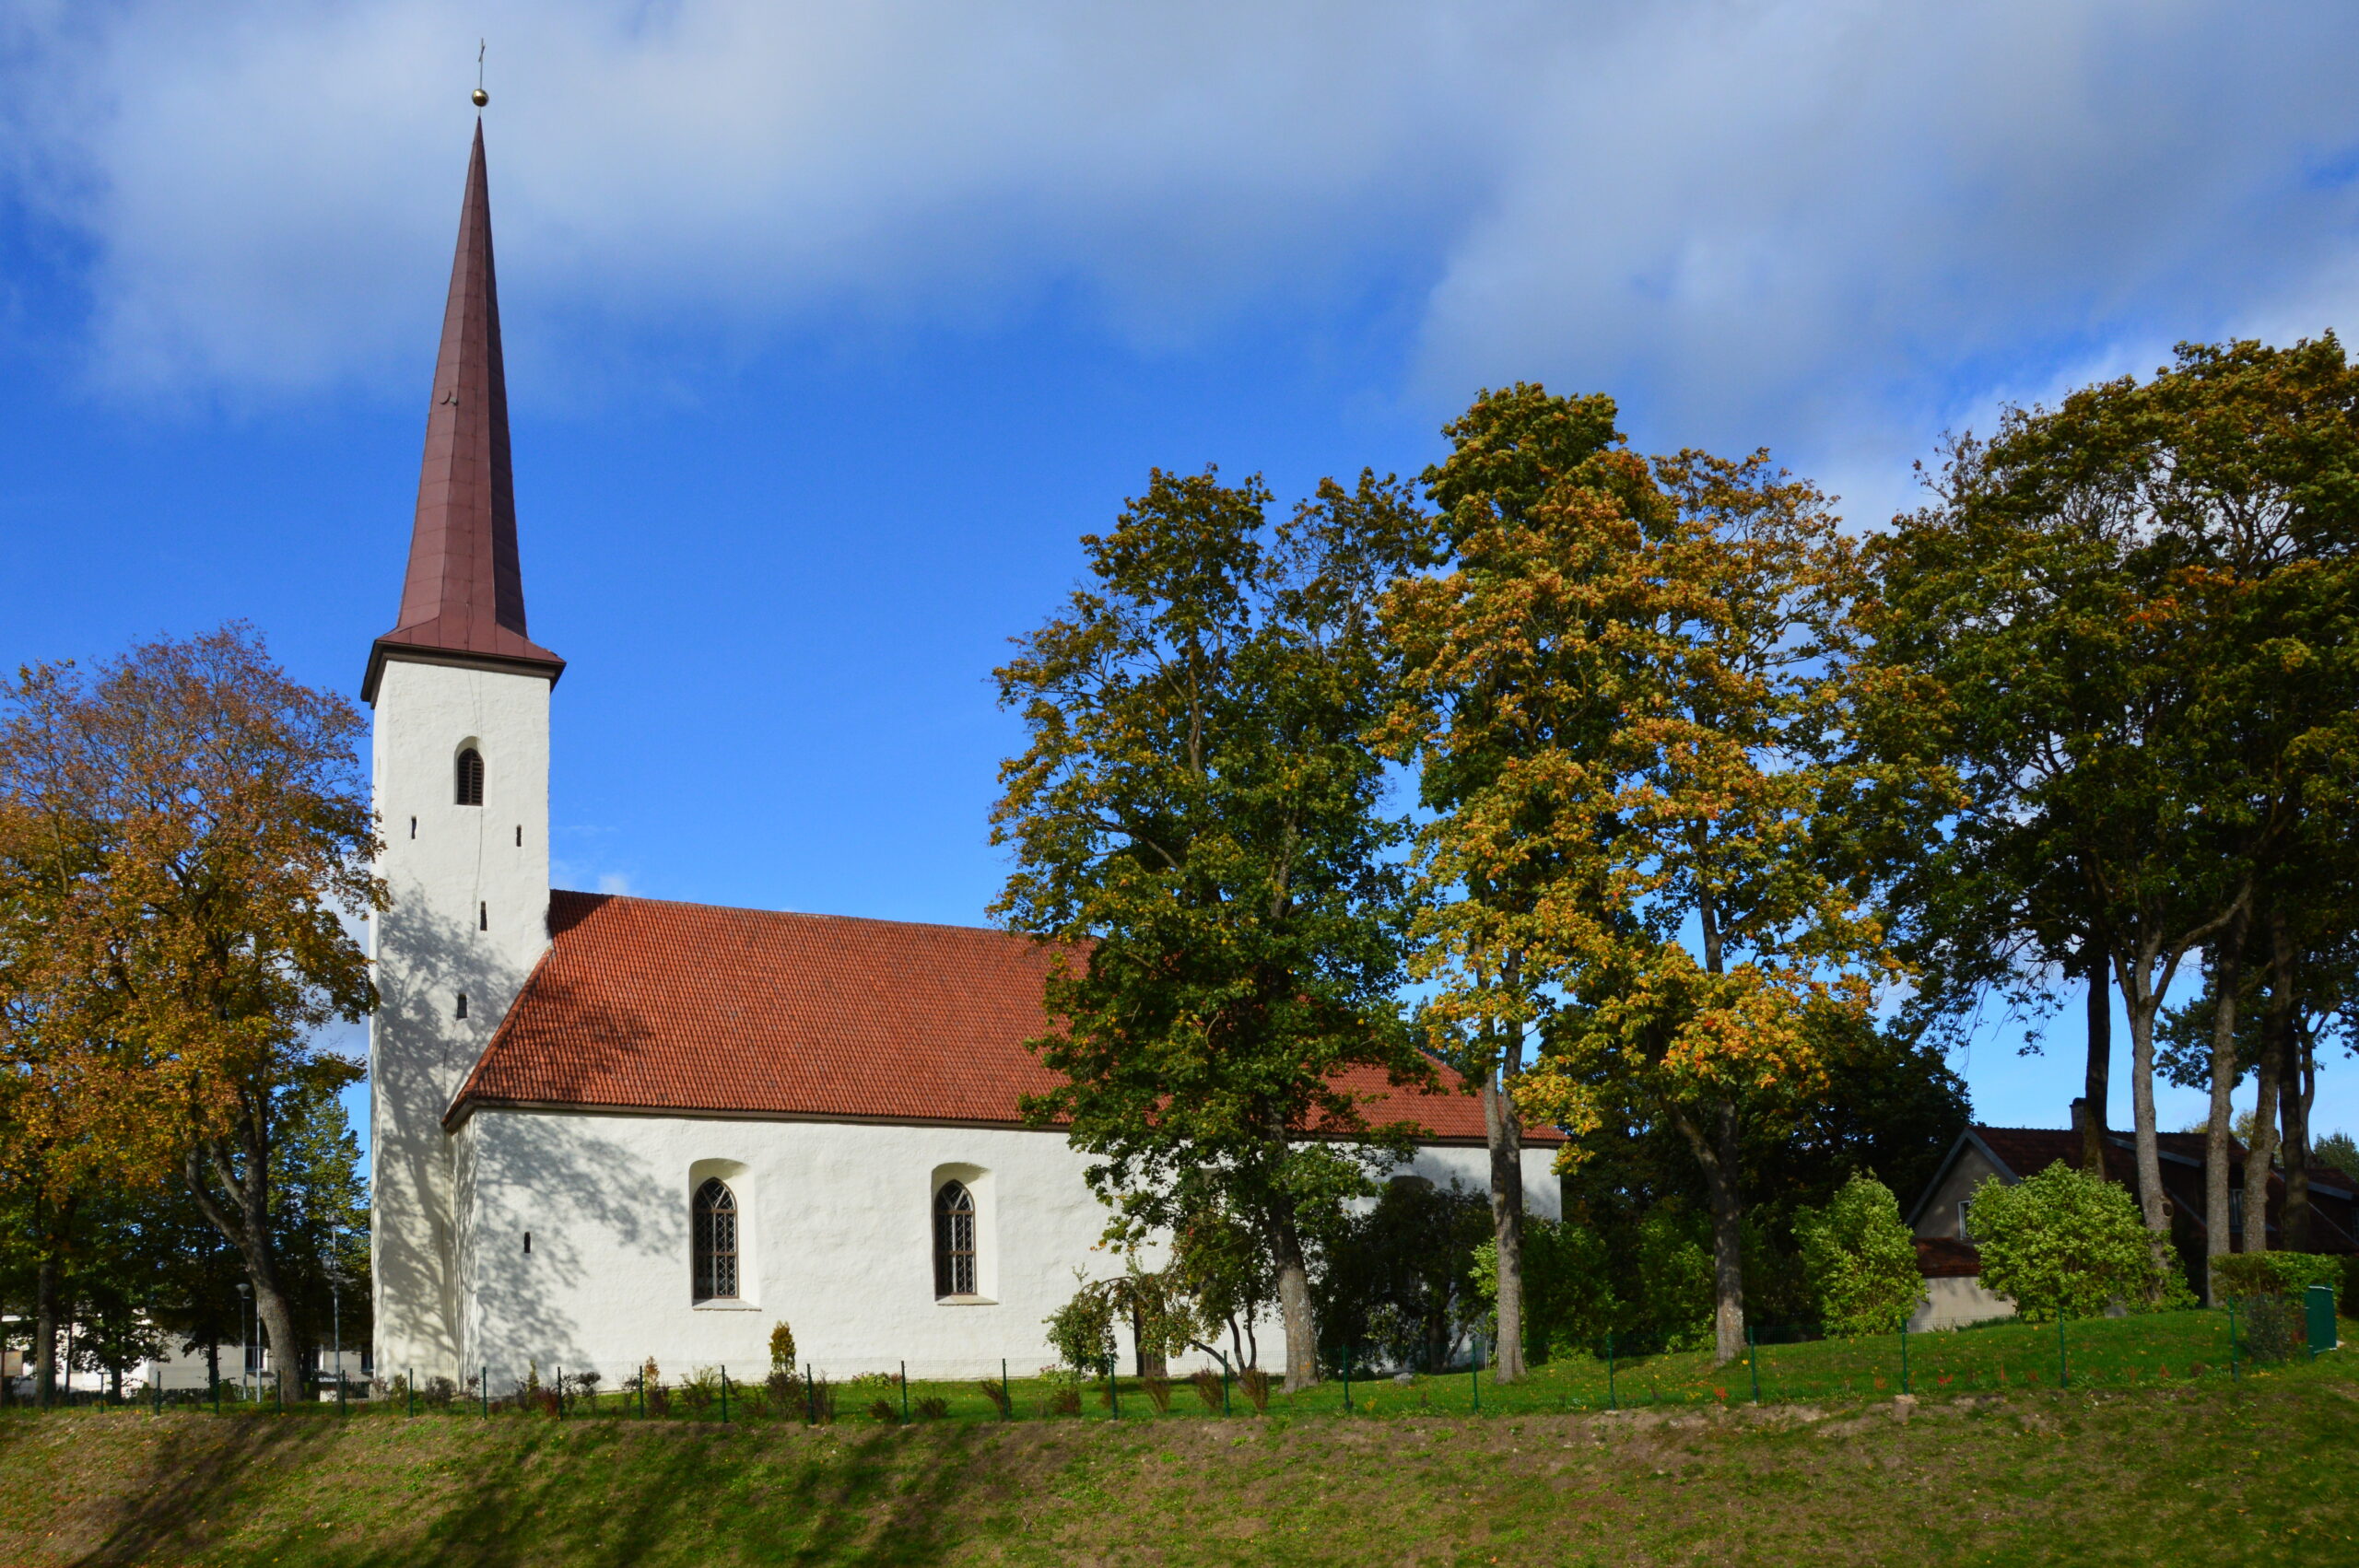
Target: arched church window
470 792
954 1241
715 1243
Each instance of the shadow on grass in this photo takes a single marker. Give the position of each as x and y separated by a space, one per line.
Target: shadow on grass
525 1491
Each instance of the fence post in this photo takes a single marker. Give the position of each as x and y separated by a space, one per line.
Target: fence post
409 1391
1904 1355
1474 1372
1347 1379
1753 1361
560 1392
1223 1385
724 1397
810 1398
1006 1393
2232 1338
905 1393
1113 1392
483 1388
1609 1372
216 1392
2063 1357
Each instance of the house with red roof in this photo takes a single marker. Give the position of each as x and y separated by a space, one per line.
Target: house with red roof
605 1129
1944 1219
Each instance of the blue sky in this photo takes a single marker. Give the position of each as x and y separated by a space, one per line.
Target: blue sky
830 329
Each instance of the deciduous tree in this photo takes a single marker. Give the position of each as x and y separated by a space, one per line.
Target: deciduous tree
1642 856
1197 821
195 834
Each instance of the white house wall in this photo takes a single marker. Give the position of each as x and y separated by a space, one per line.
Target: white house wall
837 1237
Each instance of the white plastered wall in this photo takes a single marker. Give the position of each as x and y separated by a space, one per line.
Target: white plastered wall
837 1227
469 916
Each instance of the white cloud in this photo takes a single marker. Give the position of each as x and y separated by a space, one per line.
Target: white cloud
1839 225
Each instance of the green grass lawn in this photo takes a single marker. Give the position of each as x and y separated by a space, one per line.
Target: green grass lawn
2126 1466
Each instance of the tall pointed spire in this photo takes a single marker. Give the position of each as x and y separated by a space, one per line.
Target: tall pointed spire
463 602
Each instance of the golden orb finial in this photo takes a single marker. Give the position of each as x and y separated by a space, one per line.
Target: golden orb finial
480 97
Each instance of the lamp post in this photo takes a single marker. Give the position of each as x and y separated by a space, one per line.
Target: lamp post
249 1368
335 1311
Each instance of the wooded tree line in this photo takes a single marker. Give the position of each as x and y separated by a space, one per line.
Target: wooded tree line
1669 812
184 846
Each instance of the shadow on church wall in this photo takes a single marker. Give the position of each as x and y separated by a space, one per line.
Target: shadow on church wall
424 1054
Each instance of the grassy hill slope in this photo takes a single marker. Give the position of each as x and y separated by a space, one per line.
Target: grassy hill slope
2209 1473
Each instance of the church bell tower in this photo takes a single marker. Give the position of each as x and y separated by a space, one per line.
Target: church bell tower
460 767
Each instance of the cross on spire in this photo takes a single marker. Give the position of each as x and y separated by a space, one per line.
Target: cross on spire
463 600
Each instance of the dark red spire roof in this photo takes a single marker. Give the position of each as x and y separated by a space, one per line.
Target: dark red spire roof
463 602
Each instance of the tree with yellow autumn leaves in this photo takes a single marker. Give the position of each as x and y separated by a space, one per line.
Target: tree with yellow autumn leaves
185 839
1628 702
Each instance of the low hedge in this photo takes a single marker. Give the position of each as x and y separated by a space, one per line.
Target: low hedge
2283 1273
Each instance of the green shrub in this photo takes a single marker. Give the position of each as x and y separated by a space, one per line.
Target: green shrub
2239 1274
1860 1260
2066 1242
1567 1302
1673 1294
1082 1331
781 1347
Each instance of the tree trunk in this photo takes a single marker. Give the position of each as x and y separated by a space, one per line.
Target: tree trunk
2096 1083
1503 1129
45 1331
243 1168
2281 1071
2261 1158
2227 985
2300 1090
2143 1007
1294 1298
1715 1148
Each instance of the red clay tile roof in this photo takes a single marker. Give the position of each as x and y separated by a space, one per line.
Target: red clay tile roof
648 1006
1946 1258
462 600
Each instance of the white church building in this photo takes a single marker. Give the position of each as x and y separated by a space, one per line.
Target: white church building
605 1128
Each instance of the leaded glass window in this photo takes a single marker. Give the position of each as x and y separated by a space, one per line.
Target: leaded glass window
715 1244
470 783
954 1241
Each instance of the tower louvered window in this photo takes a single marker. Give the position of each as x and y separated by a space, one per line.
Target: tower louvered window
715 1243
954 1241
470 792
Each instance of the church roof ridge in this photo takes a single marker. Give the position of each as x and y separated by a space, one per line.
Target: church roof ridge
801 914
462 595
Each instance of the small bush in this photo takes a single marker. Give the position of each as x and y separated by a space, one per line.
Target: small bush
1207 1385
2274 1328
702 1390
1065 1401
882 1411
781 1347
819 1400
785 1388
1255 1383
996 1393
659 1399
439 1392
1860 1260
1158 1393
2064 1241
932 1406
1083 1329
